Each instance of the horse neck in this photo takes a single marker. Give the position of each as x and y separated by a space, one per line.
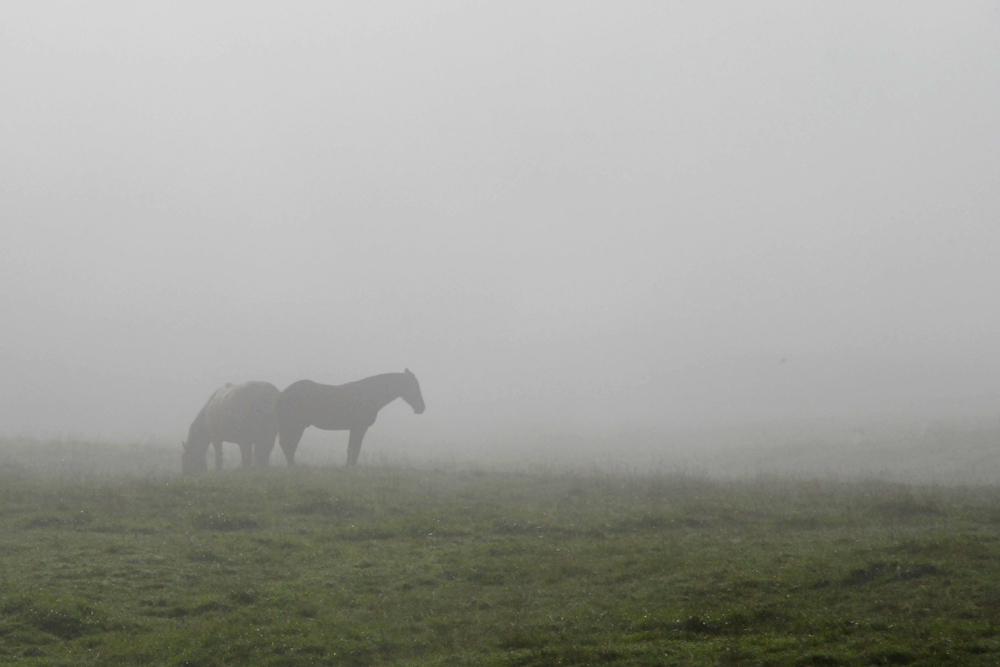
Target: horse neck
386 390
197 434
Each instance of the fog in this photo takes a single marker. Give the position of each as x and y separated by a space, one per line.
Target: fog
569 219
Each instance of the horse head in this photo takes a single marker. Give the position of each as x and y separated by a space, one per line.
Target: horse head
193 461
410 392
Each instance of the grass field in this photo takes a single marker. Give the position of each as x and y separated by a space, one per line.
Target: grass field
461 566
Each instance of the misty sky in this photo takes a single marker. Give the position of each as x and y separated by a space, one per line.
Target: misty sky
562 214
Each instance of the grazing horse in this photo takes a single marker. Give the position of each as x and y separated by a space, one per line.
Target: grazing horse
241 413
345 407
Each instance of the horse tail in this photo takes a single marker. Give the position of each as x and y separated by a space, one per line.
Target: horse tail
286 413
290 424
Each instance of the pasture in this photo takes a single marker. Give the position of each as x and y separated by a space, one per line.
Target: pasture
387 564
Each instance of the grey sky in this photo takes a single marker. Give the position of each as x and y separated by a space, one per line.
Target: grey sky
560 213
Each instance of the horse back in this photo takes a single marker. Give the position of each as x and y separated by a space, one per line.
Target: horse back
243 413
325 406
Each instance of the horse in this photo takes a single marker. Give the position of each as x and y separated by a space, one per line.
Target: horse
346 407
245 414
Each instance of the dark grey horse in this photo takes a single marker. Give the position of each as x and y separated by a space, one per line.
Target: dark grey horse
245 414
345 407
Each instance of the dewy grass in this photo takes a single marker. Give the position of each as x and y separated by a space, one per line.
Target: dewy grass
386 565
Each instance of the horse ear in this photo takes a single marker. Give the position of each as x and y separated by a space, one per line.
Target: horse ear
184 444
407 371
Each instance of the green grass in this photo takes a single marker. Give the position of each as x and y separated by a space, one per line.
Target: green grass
384 565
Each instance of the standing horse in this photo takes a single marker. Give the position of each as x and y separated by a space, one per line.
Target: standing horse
245 414
345 407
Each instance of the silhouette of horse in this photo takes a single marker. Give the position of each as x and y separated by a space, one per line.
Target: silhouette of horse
244 414
346 407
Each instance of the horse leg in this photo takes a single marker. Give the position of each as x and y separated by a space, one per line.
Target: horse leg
354 445
218 455
262 452
288 439
246 455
